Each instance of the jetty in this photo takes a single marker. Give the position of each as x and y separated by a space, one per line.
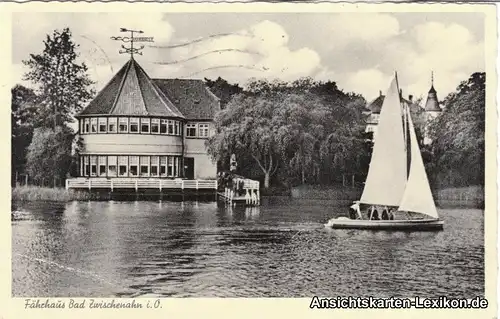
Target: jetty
238 189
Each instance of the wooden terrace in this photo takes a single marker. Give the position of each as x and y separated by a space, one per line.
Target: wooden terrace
140 183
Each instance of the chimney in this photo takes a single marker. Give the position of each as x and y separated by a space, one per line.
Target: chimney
410 97
380 92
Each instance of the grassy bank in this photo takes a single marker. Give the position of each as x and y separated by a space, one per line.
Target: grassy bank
35 193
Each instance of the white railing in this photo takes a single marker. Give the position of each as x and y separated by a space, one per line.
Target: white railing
139 183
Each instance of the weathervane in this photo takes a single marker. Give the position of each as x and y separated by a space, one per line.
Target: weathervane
131 50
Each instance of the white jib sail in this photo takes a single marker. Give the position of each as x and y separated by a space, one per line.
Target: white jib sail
417 195
387 174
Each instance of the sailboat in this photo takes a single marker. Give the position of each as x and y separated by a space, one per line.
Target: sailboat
397 194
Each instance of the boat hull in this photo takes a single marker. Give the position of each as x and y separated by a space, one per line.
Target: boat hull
400 225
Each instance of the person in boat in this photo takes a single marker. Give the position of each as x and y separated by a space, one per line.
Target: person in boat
392 211
354 211
373 213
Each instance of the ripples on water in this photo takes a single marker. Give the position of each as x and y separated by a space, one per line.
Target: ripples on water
201 249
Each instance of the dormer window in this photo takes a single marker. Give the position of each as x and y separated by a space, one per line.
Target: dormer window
203 130
191 130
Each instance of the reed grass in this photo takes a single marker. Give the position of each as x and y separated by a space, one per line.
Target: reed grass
36 193
472 194
326 192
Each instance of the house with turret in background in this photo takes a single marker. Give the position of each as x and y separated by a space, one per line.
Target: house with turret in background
431 110
139 129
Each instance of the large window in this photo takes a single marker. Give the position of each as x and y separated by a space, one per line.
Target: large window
203 130
176 167
133 165
191 130
93 125
123 165
93 166
102 125
102 165
144 165
112 125
144 125
86 166
155 126
154 165
112 161
123 125
170 167
163 165
134 125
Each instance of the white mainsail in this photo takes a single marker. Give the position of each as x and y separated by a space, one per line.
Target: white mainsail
417 195
387 174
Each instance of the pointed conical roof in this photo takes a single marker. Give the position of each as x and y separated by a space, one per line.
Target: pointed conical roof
432 104
132 92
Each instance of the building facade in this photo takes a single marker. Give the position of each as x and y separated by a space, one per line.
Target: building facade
151 128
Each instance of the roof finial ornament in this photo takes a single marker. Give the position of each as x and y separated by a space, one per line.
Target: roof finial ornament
131 50
432 78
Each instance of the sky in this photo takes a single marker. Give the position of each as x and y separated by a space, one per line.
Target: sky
359 51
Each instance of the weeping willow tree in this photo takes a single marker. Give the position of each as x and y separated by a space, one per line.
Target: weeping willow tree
296 134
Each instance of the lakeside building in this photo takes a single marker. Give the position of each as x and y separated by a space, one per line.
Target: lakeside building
138 127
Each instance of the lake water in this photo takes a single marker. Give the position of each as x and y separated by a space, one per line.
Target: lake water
202 249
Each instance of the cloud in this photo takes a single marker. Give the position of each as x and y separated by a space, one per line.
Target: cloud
449 50
359 51
367 82
362 27
261 49
92 32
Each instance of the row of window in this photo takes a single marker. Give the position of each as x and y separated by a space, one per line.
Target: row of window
141 125
130 166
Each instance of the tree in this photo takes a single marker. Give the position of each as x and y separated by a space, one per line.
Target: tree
62 83
458 135
223 90
293 131
23 119
49 154
245 127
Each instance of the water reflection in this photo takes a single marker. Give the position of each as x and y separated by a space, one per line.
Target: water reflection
204 248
